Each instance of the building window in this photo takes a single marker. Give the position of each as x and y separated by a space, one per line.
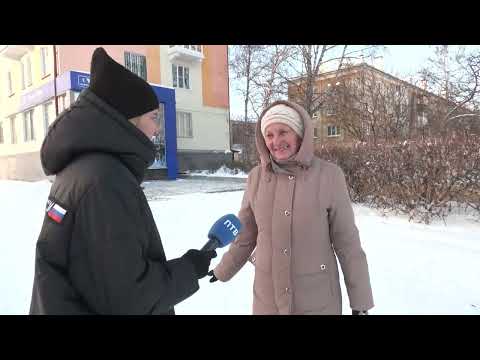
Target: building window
398 90
47 111
62 102
9 84
330 110
365 126
26 72
184 124
192 47
186 77
45 61
1 132
29 72
23 74
180 76
422 119
333 130
28 125
137 64
329 107
13 130
174 75
315 132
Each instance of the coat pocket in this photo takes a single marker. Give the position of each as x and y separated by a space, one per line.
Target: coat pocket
313 292
263 293
261 256
262 260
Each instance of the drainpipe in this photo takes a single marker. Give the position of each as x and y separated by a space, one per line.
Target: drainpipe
55 79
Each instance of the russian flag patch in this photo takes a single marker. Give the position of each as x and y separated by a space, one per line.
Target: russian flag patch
55 211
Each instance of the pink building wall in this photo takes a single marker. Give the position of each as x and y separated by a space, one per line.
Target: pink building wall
215 76
214 67
78 57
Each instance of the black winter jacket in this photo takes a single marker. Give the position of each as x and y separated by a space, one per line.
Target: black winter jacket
104 254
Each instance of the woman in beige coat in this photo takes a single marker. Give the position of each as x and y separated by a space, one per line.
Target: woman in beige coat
297 219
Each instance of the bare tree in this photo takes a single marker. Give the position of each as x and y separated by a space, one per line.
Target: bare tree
369 107
268 85
307 62
245 65
241 130
455 75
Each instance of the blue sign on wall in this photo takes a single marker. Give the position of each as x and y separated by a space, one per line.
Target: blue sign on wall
79 81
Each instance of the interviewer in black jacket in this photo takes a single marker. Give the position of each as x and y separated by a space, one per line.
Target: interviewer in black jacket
99 251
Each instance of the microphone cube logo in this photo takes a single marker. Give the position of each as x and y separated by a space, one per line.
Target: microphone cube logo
231 227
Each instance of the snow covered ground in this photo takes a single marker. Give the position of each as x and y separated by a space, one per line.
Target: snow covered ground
221 172
414 268
163 190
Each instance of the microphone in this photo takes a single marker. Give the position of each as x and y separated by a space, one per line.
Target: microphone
223 232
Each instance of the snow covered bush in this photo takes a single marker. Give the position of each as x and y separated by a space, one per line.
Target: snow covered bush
421 178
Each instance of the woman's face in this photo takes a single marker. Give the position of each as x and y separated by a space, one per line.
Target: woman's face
282 141
148 123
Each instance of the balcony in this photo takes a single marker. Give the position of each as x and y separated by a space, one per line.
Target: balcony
188 53
15 52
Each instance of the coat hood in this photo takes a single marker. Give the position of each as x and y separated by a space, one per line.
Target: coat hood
91 125
305 154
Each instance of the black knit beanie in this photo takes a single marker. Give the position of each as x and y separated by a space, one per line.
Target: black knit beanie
119 87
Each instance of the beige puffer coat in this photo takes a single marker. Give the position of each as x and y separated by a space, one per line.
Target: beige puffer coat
298 225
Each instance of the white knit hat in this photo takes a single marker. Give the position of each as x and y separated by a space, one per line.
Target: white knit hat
284 114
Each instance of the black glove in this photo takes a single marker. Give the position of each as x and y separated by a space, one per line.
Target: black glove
359 312
200 260
213 277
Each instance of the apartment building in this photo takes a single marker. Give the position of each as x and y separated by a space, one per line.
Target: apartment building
191 82
365 99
